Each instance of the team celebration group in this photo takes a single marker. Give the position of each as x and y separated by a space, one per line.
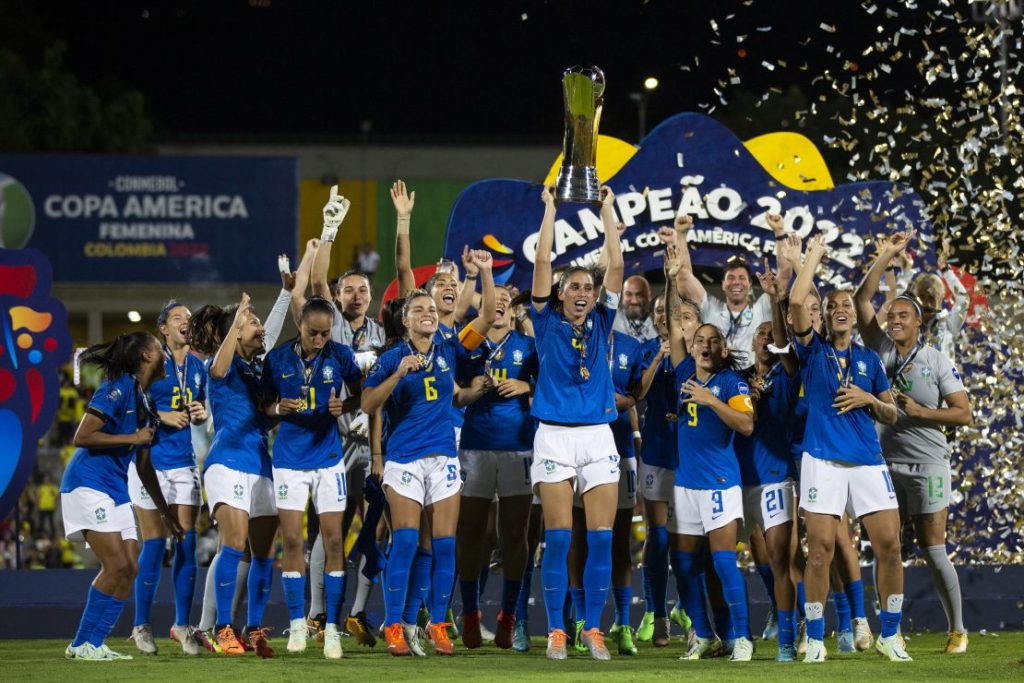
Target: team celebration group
539 419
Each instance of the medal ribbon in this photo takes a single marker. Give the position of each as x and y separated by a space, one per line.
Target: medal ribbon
180 374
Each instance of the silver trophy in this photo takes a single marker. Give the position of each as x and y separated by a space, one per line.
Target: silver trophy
577 182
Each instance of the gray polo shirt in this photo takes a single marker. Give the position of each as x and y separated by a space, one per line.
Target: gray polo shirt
926 377
738 328
371 338
642 332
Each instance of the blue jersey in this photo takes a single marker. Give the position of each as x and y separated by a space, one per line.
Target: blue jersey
848 437
765 456
443 334
494 423
308 439
574 384
418 413
706 456
240 428
181 385
626 371
660 446
106 469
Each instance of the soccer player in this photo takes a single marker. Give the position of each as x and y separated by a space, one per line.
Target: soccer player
574 401
301 384
239 488
120 422
929 395
846 391
495 454
179 398
414 382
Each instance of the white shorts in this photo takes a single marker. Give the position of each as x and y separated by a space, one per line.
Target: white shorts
766 506
180 486
427 480
700 511
489 473
585 453
86 509
921 488
250 493
832 488
657 483
327 485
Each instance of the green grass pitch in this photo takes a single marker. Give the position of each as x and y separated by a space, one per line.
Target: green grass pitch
991 657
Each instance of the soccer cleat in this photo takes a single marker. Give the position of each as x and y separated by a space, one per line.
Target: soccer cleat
438 634
143 637
414 637
623 637
423 617
521 636
359 626
485 633
593 640
662 635
742 650
862 637
453 630
892 647
577 641
332 642
679 617
801 638
471 637
315 625
786 653
771 625
556 644
257 638
702 648
645 631
85 652
108 654
184 635
815 650
956 643
206 639
228 643
844 642
394 636
297 636
505 630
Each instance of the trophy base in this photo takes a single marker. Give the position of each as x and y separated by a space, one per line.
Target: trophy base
578 185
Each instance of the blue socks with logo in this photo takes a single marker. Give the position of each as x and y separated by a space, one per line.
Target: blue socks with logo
95 605
815 614
734 590
419 584
656 570
294 584
334 595
443 577
261 577
855 596
554 574
148 578
842 605
787 627
891 615
224 589
688 578
183 572
396 577
107 620
597 575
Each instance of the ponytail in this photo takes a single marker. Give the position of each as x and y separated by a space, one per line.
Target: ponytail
208 326
118 357
317 304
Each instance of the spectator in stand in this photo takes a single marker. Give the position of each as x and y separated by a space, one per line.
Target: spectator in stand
367 260
46 505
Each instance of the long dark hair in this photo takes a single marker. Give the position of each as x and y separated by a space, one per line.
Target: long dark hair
733 361
208 326
391 319
563 278
118 357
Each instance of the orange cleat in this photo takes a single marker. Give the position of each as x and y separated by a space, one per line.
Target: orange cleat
503 632
258 640
228 643
471 636
438 634
394 635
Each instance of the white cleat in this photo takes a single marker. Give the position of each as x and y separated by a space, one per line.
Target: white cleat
893 648
414 637
742 650
815 651
108 654
702 647
297 636
85 652
185 635
143 637
332 642
862 637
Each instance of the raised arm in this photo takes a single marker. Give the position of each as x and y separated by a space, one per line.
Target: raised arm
687 283
778 226
488 308
677 344
335 211
961 297
226 353
541 288
467 297
612 245
802 328
867 321
775 289
403 202
302 277
647 378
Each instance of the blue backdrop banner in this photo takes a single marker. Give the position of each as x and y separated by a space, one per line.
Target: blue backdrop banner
151 218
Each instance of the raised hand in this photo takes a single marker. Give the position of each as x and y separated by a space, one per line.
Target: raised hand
311 246
242 313
776 223
667 235
769 281
672 263
334 213
547 195
481 258
817 247
402 199
945 250
896 243
467 262
683 223
607 198
789 248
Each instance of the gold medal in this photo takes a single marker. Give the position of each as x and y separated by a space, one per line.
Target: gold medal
584 373
671 417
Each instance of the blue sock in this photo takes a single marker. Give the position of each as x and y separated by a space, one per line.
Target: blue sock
855 596
787 627
442 577
109 618
294 584
801 599
148 578
597 575
768 579
734 589
419 585
510 590
645 583
184 573
815 612
470 591
485 573
224 576
891 615
526 587
623 599
691 593
579 602
554 574
334 595
95 605
656 570
261 578
842 605
396 577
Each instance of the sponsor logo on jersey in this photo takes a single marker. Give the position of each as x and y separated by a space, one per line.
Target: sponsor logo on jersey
741 387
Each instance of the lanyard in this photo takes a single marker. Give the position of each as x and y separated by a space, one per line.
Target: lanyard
181 375
734 321
309 371
843 377
359 336
637 327
579 334
426 360
495 352
896 371
144 406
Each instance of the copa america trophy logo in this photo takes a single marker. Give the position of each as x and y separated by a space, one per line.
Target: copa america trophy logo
583 88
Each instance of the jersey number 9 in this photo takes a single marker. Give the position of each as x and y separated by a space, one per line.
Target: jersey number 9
176 397
691 410
428 388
